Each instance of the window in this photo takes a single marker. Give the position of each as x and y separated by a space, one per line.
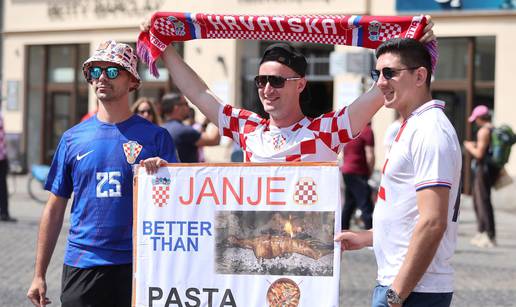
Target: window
464 78
57 96
485 59
452 59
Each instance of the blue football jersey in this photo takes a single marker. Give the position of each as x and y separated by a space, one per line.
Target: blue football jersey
94 161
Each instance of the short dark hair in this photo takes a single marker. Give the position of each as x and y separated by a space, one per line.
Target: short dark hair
287 55
169 101
412 53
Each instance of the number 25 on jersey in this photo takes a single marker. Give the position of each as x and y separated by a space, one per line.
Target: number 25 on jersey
108 184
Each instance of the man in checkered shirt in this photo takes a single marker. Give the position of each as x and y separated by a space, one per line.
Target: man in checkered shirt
289 135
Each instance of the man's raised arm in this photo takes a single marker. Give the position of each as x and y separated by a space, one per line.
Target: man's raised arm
191 85
363 108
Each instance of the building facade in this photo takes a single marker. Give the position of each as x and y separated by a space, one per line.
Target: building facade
46 41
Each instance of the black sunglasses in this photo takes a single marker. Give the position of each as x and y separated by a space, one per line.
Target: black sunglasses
275 81
111 72
388 72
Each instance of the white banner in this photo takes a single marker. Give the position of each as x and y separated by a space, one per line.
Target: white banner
237 235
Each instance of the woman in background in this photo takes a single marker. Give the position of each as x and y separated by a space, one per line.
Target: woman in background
146 108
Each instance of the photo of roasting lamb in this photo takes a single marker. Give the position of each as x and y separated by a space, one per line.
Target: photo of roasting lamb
274 243
268 247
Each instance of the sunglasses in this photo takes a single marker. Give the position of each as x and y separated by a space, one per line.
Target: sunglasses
387 72
111 72
275 81
148 111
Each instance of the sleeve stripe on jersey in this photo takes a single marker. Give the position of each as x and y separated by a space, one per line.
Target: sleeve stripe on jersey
432 183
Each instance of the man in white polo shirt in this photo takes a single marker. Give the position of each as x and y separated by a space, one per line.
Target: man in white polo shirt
415 219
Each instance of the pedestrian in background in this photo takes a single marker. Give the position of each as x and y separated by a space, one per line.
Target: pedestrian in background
190 120
4 170
94 160
484 177
146 108
187 139
357 167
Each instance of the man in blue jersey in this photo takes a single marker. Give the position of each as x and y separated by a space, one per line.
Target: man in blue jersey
95 160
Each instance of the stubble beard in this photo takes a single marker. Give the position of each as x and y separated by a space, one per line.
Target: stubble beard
106 96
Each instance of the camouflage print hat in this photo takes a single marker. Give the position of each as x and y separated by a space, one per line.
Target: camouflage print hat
117 53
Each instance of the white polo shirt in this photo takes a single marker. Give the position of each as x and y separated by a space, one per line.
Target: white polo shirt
311 139
425 153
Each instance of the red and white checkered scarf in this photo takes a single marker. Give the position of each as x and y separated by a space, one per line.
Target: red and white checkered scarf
352 30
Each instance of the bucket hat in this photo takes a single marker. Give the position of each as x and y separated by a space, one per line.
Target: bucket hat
117 53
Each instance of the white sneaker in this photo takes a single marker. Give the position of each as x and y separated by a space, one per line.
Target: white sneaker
485 242
476 238
488 244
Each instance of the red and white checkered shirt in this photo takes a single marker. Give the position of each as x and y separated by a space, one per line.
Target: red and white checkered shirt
309 140
3 149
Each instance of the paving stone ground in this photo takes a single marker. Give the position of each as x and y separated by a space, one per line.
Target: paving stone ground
484 277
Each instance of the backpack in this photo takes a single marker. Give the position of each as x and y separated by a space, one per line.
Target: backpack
502 139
